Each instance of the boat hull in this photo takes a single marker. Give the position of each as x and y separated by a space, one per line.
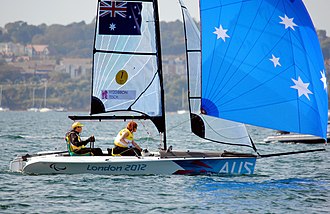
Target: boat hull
296 138
109 165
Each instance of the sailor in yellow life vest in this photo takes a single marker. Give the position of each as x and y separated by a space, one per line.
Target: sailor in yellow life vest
124 142
77 145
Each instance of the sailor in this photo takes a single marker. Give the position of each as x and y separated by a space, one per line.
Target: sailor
124 142
78 146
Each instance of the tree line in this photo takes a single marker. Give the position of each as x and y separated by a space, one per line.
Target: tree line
76 40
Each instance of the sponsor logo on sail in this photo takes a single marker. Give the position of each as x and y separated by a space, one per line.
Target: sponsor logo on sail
118 94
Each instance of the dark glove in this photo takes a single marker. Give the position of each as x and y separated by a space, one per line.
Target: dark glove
92 139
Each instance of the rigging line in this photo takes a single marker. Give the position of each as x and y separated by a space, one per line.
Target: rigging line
180 124
145 128
253 145
232 144
291 153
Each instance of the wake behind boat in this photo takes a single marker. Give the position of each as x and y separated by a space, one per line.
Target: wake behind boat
262 69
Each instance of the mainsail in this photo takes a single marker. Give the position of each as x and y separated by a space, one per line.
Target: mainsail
207 127
127 62
262 65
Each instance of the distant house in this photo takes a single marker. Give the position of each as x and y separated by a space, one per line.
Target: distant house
9 49
174 64
37 51
75 67
41 68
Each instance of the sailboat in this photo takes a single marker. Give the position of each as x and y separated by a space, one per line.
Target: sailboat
45 109
2 108
182 110
263 68
33 108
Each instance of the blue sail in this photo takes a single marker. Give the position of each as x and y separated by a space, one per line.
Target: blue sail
262 65
209 128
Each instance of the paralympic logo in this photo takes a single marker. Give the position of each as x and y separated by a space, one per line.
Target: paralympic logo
53 166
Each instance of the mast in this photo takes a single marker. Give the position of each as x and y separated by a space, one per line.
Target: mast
0 95
45 95
160 71
33 94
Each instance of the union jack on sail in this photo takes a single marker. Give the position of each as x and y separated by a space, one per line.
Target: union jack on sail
112 8
120 18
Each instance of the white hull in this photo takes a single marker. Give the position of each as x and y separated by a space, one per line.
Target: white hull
181 112
45 110
115 165
4 109
294 138
33 109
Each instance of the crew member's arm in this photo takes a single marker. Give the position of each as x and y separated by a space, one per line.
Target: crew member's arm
136 145
123 137
75 140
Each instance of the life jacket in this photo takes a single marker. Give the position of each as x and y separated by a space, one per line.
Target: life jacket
71 147
128 139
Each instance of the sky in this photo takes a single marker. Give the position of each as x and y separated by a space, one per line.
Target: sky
64 12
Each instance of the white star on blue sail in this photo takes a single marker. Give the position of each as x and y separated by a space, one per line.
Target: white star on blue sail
301 87
275 60
221 33
288 22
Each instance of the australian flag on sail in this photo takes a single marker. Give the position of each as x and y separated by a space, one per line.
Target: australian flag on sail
120 18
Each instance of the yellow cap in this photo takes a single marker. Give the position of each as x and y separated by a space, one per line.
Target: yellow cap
76 124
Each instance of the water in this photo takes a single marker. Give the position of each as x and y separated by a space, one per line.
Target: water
288 184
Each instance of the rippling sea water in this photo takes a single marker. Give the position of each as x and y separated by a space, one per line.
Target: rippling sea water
287 184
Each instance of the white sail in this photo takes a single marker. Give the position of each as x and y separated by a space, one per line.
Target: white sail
125 69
